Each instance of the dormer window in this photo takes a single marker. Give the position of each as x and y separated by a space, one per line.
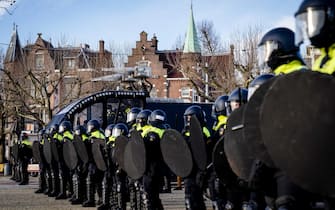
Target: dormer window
39 60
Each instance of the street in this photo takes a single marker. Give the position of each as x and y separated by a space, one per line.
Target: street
13 196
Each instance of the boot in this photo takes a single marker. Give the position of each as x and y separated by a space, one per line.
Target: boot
75 194
55 185
49 188
79 191
90 189
105 194
41 183
62 193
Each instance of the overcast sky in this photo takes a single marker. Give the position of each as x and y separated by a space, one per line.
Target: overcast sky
121 21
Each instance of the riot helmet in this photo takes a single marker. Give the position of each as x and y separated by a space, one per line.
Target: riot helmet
79 130
315 22
257 82
93 125
132 114
197 111
120 129
65 126
220 106
236 98
276 48
53 129
109 129
157 118
142 118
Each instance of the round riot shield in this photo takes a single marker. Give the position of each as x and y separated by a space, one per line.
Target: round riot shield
119 149
135 156
176 153
47 151
220 163
70 155
98 157
54 151
36 151
197 143
235 147
81 150
297 126
251 132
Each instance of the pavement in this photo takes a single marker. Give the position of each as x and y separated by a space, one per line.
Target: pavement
14 196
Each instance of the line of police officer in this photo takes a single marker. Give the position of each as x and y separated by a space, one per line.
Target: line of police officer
268 185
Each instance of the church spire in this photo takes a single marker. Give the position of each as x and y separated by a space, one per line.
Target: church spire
14 51
191 44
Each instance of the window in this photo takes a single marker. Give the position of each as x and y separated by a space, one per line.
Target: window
39 61
185 92
71 63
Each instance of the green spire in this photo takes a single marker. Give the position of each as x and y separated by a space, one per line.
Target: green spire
191 44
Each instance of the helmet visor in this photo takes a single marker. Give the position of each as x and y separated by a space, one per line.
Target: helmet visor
264 53
108 133
252 90
131 117
309 24
77 132
116 132
61 129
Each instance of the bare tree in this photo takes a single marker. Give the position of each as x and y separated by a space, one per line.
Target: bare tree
245 61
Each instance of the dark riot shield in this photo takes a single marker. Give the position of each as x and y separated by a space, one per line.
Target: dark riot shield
98 157
119 149
176 153
70 155
15 151
220 163
81 150
36 151
135 156
297 126
197 142
251 132
47 151
54 151
235 147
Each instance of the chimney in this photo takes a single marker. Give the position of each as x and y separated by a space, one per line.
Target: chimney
101 47
143 36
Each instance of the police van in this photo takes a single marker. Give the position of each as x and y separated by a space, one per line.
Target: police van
110 107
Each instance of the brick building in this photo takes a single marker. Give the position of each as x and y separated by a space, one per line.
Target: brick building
68 73
48 78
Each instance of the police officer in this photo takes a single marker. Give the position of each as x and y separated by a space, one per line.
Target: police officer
194 183
120 175
236 98
25 154
54 138
65 129
237 194
315 22
109 200
131 116
153 174
80 174
219 114
282 55
278 52
136 186
95 176
43 166
142 120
